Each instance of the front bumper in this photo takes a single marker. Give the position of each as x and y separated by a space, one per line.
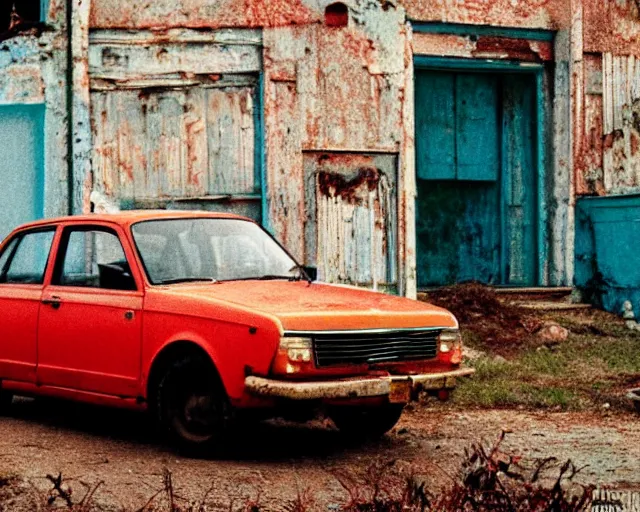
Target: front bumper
399 388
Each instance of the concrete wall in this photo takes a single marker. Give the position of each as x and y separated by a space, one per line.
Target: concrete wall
33 68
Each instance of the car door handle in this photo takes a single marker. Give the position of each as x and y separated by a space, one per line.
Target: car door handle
54 302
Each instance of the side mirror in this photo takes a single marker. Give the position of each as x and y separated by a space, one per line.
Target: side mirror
312 272
115 277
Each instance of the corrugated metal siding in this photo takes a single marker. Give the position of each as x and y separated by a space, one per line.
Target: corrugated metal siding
351 218
621 122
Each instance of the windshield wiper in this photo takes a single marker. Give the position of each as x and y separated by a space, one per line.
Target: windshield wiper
270 277
189 280
302 274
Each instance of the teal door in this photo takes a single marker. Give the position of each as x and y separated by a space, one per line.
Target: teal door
476 178
21 165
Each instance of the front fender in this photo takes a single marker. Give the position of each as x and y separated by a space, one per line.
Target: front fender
238 341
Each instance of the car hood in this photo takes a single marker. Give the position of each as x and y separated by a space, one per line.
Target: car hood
307 307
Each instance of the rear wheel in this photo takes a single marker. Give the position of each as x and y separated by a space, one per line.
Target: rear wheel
366 422
192 406
5 400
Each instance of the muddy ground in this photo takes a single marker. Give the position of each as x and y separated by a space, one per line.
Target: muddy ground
274 462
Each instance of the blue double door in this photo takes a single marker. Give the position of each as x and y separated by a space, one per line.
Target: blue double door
476 209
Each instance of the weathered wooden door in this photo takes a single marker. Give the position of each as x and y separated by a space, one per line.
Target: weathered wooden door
180 148
21 165
476 178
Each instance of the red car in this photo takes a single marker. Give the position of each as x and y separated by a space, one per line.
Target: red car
199 317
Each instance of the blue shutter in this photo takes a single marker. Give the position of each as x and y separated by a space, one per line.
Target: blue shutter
435 126
477 131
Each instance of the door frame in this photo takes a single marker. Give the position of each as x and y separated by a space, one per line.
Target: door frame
432 63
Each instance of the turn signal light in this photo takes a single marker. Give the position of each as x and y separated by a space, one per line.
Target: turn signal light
294 356
450 346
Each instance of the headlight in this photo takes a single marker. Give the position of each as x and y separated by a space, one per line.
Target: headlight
298 350
450 345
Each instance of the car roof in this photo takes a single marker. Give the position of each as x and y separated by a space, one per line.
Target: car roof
126 218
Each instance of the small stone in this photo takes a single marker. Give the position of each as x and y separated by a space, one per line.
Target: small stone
552 333
632 325
500 360
627 311
606 405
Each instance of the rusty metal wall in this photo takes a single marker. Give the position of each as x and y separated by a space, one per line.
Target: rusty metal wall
345 92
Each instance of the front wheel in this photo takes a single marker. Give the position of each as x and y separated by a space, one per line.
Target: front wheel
366 422
193 408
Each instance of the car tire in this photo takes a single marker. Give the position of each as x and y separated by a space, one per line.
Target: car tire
366 422
192 407
5 401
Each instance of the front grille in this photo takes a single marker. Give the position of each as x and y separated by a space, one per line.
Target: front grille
379 347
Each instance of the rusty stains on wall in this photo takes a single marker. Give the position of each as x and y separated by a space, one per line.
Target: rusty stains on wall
336 185
483 47
543 14
351 207
202 14
612 26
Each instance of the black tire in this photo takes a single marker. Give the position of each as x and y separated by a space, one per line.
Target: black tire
636 403
366 422
192 407
5 401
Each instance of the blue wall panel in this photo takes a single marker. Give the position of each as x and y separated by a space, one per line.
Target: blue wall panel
607 266
21 165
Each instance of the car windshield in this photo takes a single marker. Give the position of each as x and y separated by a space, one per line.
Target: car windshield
209 249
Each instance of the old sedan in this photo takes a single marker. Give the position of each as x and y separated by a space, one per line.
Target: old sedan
201 317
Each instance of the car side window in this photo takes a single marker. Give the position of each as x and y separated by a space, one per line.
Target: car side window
7 253
94 259
27 263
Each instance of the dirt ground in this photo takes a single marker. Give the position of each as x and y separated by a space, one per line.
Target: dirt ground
274 462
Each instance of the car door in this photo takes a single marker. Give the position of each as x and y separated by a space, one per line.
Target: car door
23 263
90 326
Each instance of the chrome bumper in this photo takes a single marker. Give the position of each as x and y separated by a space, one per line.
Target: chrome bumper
399 388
